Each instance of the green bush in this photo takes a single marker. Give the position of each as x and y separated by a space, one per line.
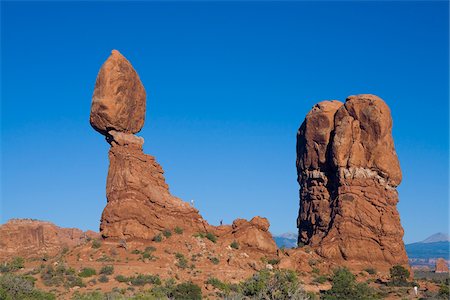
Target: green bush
399 276
142 279
135 251
344 286
157 238
187 291
371 271
211 237
15 264
103 278
444 291
96 244
121 278
167 233
234 245
178 230
273 261
87 272
14 287
281 284
107 270
199 235
320 279
182 261
222 286
214 260
60 276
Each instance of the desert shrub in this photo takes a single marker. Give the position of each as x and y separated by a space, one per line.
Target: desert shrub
187 291
371 271
121 278
107 270
87 272
344 286
105 258
273 261
96 244
234 245
14 287
181 261
150 249
136 251
97 295
60 276
222 286
103 278
320 279
178 230
15 264
444 291
157 238
399 276
281 284
167 233
214 260
211 237
142 279
199 235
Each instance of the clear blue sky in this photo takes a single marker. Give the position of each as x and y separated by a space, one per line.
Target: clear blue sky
228 85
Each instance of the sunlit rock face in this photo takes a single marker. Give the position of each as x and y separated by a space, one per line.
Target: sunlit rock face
348 172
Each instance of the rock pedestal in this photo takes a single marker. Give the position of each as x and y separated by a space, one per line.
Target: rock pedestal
348 172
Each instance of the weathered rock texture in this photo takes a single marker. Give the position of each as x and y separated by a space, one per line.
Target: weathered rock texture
118 102
33 238
348 172
441 266
139 204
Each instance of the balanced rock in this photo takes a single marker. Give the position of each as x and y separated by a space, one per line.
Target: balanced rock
139 204
441 266
118 102
348 172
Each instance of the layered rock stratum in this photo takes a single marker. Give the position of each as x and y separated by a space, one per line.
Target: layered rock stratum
348 173
139 204
34 238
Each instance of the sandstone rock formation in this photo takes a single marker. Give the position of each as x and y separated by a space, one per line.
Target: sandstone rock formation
139 204
441 266
33 238
348 172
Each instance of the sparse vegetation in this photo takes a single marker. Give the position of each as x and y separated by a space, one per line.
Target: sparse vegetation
96 244
15 264
199 235
187 291
157 238
234 245
181 261
273 261
210 236
344 286
214 260
107 270
14 287
399 276
178 230
370 271
60 276
87 272
140 279
167 233
320 279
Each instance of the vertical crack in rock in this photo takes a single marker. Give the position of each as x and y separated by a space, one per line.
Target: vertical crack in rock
348 172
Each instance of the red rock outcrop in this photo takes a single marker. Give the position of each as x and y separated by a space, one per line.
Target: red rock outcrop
33 238
348 172
139 204
441 266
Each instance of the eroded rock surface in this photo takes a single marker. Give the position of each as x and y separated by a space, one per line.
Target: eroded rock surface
33 238
348 172
139 204
441 266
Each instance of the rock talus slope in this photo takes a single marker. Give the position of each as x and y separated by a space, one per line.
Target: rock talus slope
348 172
139 204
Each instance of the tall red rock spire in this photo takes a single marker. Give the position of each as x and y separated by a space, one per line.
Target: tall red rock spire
348 172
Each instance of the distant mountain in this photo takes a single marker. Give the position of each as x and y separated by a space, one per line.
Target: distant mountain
437 237
425 253
286 240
